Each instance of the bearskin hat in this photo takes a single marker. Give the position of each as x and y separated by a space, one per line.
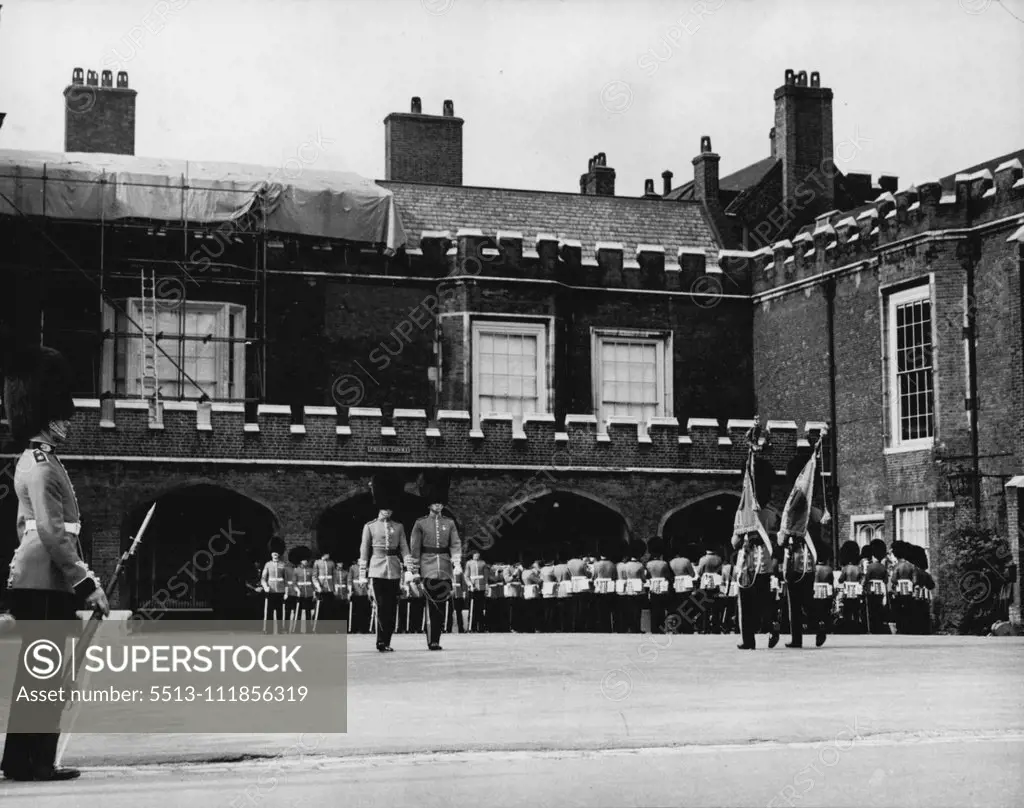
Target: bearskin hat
299 554
37 390
435 487
636 548
387 490
849 553
656 545
276 545
865 552
878 548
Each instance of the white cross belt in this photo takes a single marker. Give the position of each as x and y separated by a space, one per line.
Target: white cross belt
74 528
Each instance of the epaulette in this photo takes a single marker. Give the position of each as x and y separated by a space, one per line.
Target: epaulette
370 523
40 456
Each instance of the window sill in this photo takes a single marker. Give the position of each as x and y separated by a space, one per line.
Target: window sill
917 446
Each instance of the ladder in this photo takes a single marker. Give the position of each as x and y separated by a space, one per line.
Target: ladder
150 385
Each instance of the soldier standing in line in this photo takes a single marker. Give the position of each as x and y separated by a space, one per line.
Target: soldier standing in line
531 598
49 580
497 609
437 557
513 590
302 589
682 584
275 583
605 576
901 587
359 603
876 578
659 573
709 575
323 588
563 596
578 611
341 596
921 622
549 585
381 555
851 582
633 575
477 575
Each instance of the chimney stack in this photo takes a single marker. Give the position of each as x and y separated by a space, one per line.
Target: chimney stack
649 190
666 182
423 148
99 117
705 174
599 179
803 138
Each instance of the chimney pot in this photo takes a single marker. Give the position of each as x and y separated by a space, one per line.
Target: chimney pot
417 105
599 179
815 79
667 184
77 76
649 188
801 79
449 109
107 79
92 79
790 78
122 80
705 144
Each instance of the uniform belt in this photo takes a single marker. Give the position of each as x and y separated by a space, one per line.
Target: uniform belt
74 528
437 550
394 552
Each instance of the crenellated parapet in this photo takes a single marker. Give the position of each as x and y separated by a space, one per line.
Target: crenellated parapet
222 432
843 238
469 252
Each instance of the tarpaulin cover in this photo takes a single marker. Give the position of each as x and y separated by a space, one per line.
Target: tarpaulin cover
109 187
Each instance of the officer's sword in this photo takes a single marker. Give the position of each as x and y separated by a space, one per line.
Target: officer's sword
74 672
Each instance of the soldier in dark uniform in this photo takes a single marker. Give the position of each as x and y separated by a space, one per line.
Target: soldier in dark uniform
683 576
799 572
632 570
709 570
323 587
659 574
851 573
921 621
48 580
381 554
756 601
874 593
359 603
824 595
582 599
901 587
549 602
436 556
531 606
477 578
605 576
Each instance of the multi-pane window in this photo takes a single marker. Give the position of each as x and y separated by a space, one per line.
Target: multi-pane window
865 532
509 369
911 370
631 375
912 525
196 338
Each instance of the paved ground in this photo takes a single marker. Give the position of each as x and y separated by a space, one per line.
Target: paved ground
613 720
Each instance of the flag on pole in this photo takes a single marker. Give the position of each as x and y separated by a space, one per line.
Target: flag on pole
747 519
796 515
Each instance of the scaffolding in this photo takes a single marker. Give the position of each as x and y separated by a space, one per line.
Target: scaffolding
222 217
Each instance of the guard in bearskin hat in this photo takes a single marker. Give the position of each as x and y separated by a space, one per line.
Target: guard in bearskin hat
901 586
921 621
875 580
659 575
851 583
48 578
582 594
605 574
276 583
709 589
381 555
683 576
436 556
630 600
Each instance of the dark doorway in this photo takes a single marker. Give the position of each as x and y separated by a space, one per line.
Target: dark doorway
339 530
557 525
201 555
705 523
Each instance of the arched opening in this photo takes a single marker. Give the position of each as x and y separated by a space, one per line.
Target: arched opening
201 554
706 521
339 529
556 524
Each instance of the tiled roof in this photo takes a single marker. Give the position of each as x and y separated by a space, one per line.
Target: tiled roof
771 173
734 183
589 219
948 182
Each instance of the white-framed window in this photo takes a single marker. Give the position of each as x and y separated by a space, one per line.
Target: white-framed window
866 529
194 335
510 361
632 372
911 379
912 525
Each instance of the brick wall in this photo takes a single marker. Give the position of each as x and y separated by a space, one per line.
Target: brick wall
423 148
99 119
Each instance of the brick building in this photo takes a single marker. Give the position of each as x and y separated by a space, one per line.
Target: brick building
584 365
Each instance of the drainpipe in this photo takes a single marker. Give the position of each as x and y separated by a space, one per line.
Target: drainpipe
830 313
969 334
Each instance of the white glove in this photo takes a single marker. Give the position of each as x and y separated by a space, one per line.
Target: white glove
458 568
409 577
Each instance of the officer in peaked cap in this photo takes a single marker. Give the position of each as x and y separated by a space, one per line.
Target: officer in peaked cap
382 552
436 556
48 578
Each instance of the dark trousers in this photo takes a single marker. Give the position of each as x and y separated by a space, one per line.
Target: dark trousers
902 613
629 614
756 608
26 750
660 604
875 610
385 592
326 609
275 609
434 603
458 605
478 608
853 615
361 610
304 606
711 615
687 613
801 605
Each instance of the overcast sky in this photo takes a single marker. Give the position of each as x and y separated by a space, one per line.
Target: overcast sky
923 87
